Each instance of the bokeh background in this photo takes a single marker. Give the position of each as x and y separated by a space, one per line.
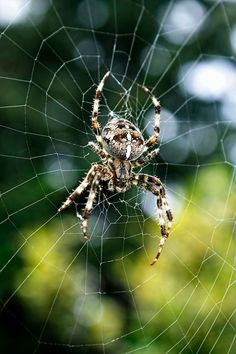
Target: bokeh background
60 294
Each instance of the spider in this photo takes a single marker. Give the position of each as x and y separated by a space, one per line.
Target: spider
121 147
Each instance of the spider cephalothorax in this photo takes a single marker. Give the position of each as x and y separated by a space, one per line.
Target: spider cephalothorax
121 148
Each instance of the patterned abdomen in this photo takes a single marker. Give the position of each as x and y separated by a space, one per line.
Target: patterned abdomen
122 139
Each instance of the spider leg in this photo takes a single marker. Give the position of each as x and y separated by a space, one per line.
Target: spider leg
95 124
153 139
154 185
89 206
83 185
145 159
96 148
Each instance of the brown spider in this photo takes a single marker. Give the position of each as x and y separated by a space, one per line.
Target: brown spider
121 147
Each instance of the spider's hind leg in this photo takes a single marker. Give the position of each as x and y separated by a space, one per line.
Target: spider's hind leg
79 190
89 206
164 213
165 218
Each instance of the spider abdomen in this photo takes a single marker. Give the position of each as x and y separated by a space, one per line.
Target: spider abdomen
122 139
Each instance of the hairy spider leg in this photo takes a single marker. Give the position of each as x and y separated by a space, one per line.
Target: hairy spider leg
101 152
153 139
163 209
95 124
89 205
145 159
79 190
154 185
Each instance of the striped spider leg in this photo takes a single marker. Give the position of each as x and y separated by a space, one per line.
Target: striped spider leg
153 138
143 160
89 205
95 124
165 218
96 174
79 190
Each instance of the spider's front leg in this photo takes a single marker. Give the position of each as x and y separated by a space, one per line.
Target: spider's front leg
154 185
153 139
142 160
95 124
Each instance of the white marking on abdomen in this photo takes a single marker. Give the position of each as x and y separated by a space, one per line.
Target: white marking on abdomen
128 151
129 136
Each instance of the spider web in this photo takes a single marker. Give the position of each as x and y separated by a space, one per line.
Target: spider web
60 293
